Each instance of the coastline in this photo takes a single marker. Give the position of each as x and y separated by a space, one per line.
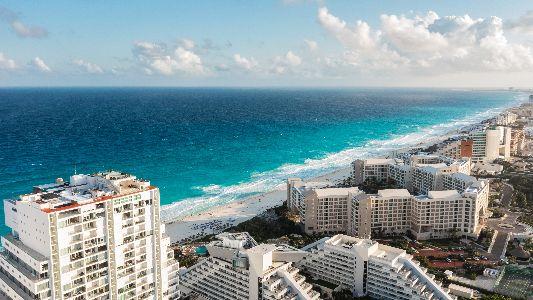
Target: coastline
220 217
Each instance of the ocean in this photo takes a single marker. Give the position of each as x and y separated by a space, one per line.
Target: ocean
208 146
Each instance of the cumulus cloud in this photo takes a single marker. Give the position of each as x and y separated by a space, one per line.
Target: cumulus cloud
524 24
6 63
286 63
187 44
245 63
19 28
160 59
428 43
40 65
311 45
88 67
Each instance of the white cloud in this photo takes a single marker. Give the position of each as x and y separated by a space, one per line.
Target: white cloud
428 43
292 59
311 45
286 63
6 63
244 62
40 65
187 44
158 58
412 35
88 67
21 30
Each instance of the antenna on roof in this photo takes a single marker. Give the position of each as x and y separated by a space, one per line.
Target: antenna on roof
75 170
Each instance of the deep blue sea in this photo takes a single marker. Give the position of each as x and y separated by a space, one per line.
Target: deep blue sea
206 146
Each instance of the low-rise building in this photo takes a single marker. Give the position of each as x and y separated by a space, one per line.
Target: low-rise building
366 267
239 268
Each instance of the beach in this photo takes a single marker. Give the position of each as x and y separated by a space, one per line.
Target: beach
218 218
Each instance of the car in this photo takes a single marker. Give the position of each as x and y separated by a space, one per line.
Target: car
448 260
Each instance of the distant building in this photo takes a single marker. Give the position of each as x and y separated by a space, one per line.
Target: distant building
506 118
95 237
517 142
491 143
419 173
239 268
368 268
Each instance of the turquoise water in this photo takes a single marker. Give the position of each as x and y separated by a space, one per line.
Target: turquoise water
204 147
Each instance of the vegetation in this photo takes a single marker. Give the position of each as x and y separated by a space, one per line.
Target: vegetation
473 270
496 214
372 186
273 224
485 236
495 297
342 295
523 185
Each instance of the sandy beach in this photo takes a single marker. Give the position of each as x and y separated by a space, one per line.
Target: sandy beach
218 218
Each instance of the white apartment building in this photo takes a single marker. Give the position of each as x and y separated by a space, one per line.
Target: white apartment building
418 173
451 149
506 119
384 213
442 214
373 168
396 211
95 237
239 269
430 177
457 181
366 267
297 189
320 209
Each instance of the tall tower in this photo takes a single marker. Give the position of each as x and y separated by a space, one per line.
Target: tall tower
96 237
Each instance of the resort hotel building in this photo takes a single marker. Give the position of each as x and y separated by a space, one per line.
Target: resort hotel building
418 173
238 268
457 207
368 268
95 237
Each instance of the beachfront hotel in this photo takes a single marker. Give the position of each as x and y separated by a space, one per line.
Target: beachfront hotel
419 173
239 268
95 237
460 209
321 209
368 268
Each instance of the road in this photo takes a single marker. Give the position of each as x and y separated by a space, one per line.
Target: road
499 247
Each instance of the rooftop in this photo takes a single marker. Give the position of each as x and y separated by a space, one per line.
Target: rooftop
388 193
82 189
443 194
336 191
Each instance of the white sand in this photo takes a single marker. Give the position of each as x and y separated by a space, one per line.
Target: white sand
219 218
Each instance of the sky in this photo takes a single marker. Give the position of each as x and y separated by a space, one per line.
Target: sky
293 43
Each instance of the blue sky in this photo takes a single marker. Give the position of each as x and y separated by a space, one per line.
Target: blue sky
266 43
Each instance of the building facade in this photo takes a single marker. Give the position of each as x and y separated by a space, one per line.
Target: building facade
239 268
95 237
367 268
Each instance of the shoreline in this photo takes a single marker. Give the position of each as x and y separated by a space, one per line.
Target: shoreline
218 218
